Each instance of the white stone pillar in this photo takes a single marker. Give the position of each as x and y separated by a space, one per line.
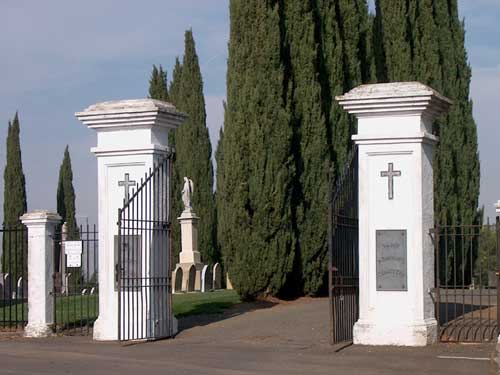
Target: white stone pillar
396 211
41 228
132 135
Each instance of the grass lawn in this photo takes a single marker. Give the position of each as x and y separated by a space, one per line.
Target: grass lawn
203 303
73 311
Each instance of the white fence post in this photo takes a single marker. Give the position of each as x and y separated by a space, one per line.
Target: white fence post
41 228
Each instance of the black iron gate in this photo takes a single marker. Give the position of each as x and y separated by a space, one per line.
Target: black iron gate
343 252
143 274
467 292
14 277
76 281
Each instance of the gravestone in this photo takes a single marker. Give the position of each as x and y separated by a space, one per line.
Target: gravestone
177 279
206 279
217 276
22 288
395 140
92 291
191 281
7 286
229 285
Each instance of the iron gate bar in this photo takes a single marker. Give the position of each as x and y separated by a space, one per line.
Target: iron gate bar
146 215
343 253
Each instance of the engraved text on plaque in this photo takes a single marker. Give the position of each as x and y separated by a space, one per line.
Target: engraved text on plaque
391 260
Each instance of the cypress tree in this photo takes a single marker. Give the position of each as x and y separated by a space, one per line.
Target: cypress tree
310 142
175 82
14 205
434 42
66 196
346 63
220 184
194 150
158 84
258 167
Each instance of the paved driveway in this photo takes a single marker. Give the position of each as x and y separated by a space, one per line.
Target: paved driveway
290 338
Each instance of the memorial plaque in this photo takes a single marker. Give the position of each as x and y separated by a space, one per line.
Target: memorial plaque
391 252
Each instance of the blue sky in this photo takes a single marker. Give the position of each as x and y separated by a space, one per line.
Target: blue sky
58 57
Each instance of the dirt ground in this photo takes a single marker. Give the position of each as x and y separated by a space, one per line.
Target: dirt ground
261 338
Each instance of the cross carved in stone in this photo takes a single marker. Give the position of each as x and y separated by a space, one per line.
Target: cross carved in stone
127 183
390 174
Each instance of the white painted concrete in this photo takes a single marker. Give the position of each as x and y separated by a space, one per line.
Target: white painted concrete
41 228
132 135
395 126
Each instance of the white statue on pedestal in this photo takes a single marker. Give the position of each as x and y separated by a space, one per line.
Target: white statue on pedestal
187 193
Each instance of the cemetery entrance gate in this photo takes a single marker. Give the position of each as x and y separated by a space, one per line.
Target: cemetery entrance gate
343 269
143 274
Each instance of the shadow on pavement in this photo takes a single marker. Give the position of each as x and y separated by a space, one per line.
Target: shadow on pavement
205 319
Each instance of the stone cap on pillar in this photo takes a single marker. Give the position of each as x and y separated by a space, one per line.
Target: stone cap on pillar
40 217
131 126
394 98
497 207
397 111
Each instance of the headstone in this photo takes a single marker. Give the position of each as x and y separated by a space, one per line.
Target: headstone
191 279
7 286
84 291
217 276
22 290
395 140
229 285
177 280
206 279
92 291
66 283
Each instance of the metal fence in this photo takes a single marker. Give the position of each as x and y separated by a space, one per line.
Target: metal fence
13 278
466 294
76 287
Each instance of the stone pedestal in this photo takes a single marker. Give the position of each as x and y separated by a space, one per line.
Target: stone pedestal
132 136
189 257
41 228
396 211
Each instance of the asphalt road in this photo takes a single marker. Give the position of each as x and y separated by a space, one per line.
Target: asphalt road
264 339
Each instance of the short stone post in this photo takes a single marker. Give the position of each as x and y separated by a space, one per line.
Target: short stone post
41 228
396 211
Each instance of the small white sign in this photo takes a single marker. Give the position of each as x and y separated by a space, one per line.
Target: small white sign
73 250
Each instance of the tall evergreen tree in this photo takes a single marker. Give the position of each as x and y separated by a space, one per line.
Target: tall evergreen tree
220 185
258 167
14 259
158 84
66 196
424 40
310 144
175 83
194 151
